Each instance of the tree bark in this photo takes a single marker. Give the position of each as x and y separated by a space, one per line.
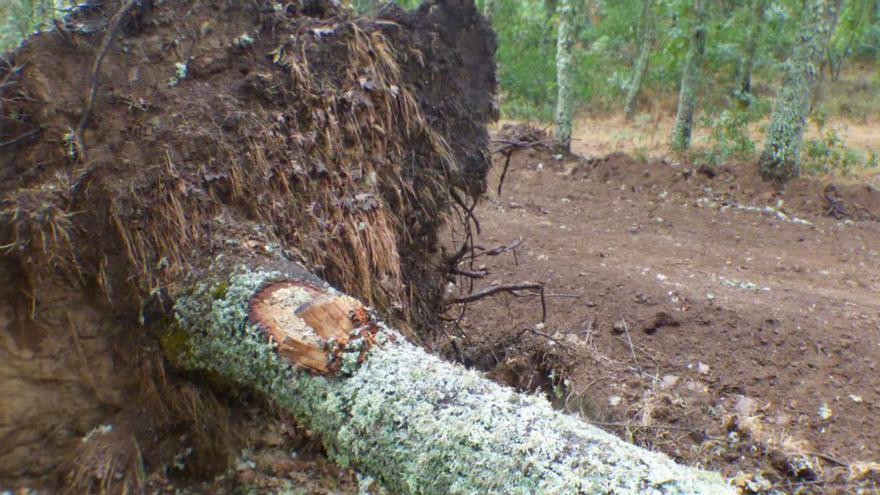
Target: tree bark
744 75
564 73
646 42
780 159
385 407
687 96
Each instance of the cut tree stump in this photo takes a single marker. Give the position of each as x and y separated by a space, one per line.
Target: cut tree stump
385 407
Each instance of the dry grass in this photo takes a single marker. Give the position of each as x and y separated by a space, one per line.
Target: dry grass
648 137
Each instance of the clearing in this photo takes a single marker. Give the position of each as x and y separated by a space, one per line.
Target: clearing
697 311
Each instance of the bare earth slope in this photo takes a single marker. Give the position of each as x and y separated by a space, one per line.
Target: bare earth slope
681 316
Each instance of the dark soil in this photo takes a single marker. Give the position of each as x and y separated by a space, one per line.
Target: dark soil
725 336
345 142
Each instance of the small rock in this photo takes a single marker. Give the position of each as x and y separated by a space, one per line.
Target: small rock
746 406
669 381
703 369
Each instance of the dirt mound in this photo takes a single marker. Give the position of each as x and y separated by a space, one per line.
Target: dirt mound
353 139
735 186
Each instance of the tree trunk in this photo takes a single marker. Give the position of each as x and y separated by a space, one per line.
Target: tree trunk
744 76
385 407
687 96
780 159
646 42
564 73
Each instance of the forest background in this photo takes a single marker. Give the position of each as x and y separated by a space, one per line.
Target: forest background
697 80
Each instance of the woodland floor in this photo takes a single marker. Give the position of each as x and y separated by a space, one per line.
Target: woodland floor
686 319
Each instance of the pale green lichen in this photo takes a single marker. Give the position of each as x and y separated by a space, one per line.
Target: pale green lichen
687 96
564 74
421 425
243 40
781 156
181 70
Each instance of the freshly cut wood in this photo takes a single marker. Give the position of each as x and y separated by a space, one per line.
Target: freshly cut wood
413 422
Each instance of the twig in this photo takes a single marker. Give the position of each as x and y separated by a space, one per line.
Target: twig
629 340
538 333
469 274
113 27
507 148
511 289
500 249
504 172
648 427
831 459
19 138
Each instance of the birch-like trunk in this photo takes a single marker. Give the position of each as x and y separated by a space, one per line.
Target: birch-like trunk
690 79
564 75
646 44
385 407
780 159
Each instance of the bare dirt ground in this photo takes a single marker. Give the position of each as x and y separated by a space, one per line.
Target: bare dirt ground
698 312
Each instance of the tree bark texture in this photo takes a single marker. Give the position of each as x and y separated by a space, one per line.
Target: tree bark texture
564 75
646 44
780 159
381 405
690 79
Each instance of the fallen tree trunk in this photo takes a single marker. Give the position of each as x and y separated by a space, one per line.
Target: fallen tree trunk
387 408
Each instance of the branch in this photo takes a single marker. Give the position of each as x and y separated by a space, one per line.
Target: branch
511 289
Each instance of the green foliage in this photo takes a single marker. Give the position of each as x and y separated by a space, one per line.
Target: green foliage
729 137
20 18
371 6
526 57
831 155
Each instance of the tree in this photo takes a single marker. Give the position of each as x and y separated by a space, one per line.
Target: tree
687 96
780 159
564 75
380 404
744 74
645 42
19 18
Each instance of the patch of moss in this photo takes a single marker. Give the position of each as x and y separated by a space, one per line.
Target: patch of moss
176 346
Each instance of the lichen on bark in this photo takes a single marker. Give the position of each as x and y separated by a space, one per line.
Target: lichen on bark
564 75
780 159
419 424
690 79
